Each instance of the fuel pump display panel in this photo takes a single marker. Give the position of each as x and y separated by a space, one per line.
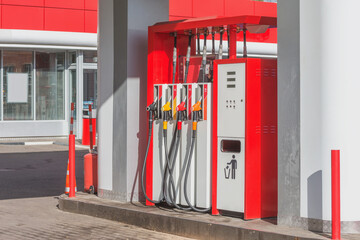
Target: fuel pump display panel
231 137
231 102
245 180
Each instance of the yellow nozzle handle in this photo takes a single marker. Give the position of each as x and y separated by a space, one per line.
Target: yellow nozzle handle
196 107
166 107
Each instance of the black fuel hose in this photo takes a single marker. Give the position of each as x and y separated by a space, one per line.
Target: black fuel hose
144 166
193 140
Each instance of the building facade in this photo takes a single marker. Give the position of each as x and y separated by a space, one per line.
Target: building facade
48 50
48 60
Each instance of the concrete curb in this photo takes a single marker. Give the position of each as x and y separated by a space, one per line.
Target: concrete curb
168 223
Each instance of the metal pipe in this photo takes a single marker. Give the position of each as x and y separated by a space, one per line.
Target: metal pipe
221 44
228 39
213 42
204 56
174 58
245 48
198 43
187 63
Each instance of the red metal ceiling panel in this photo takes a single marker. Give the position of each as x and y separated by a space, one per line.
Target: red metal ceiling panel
91 4
34 3
74 4
181 8
22 17
239 7
91 21
68 20
204 8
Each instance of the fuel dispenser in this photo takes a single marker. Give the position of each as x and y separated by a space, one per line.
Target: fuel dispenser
212 120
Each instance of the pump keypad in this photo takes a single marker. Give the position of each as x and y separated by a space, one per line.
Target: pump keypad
230 104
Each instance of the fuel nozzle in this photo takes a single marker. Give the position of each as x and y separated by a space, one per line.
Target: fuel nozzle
152 109
167 114
196 109
181 109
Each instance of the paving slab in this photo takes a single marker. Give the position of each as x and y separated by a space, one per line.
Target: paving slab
39 218
186 224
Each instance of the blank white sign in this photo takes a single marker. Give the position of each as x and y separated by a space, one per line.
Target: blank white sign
17 87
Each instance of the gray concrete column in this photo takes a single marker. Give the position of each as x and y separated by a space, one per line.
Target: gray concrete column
122 123
288 112
318 111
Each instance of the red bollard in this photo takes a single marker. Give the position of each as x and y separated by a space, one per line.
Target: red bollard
72 179
72 165
335 194
91 128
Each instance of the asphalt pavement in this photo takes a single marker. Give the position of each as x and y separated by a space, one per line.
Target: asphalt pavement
26 171
31 179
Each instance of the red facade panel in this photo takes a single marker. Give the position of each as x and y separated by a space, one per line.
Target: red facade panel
34 3
239 7
208 8
91 21
68 20
74 4
181 8
265 9
91 4
21 17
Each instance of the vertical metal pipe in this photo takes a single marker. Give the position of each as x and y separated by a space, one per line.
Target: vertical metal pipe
228 39
198 43
213 42
204 56
187 63
221 44
335 194
245 48
174 58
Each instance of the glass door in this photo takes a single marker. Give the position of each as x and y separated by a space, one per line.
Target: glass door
90 88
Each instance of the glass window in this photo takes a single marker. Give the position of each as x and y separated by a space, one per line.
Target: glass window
90 81
50 86
72 73
72 58
90 56
18 85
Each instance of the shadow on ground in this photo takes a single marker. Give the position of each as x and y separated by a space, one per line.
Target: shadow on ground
37 174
